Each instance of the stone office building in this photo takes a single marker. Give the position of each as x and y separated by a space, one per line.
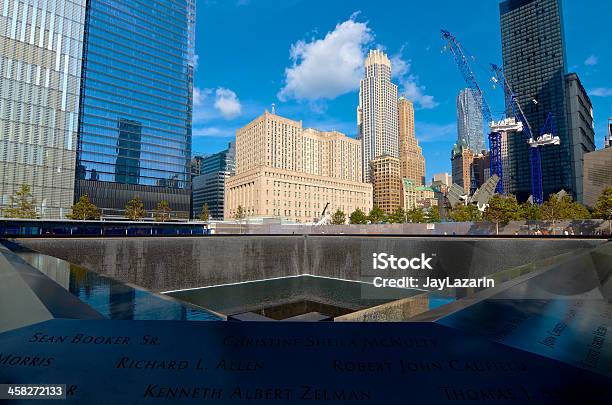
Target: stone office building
597 174
410 153
285 171
385 172
462 159
418 196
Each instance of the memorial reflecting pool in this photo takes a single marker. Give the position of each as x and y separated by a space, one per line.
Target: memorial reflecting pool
546 321
111 298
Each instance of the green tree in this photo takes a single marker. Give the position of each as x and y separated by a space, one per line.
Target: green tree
339 218
398 216
22 204
358 217
377 215
162 211
465 213
555 209
240 213
84 209
577 211
416 216
603 207
530 212
205 214
502 210
134 209
433 215
552 209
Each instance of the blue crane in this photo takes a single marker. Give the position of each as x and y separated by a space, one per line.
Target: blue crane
547 136
470 79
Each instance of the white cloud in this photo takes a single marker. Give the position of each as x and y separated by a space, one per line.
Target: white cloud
399 66
213 104
431 133
601 92
591 60
409 83
227 103
195 61
199 95
329 67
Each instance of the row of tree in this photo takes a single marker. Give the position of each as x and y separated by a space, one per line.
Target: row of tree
501 210
23 205
377 216
84 209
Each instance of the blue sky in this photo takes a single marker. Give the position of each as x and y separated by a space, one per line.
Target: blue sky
306 55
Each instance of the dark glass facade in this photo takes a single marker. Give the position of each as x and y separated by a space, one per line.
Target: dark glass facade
136 103
209 186
534 59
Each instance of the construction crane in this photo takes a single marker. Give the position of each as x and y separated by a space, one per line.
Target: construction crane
547 136
325 218
496 128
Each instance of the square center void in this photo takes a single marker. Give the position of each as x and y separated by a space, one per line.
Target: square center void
290 297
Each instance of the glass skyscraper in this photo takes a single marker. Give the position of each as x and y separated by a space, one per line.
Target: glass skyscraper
534 60
470 131
41 44
136 103
209 186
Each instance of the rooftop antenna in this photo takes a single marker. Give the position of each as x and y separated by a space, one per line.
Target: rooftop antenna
274 108
608 142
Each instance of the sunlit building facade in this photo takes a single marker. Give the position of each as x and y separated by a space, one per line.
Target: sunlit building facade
462 159
377 114
386 178
287 172
417 196
410 153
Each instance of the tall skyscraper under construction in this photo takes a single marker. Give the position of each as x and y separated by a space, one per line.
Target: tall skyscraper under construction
470 130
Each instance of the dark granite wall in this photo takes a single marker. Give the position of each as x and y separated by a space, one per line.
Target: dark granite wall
163 264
